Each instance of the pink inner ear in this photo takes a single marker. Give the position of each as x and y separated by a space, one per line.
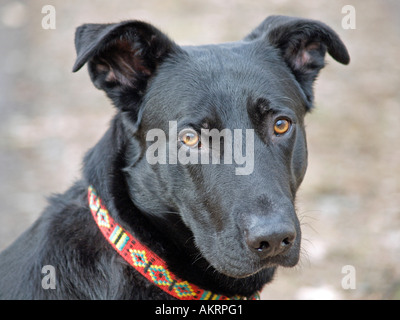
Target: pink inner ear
123 62
104 67
303 56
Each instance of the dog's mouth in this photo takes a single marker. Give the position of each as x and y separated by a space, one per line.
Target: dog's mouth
237 261
241 243
235 269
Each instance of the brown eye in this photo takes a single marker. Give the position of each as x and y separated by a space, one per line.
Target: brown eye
189 138
281 126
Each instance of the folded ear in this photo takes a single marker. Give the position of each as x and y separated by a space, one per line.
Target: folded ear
302 44
121 57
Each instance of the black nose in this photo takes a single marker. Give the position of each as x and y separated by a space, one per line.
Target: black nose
269 242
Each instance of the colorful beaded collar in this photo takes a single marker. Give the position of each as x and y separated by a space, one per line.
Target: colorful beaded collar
145 261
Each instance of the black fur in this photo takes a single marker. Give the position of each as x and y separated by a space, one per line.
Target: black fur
204 220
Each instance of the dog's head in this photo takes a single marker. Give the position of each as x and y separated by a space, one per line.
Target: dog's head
215 133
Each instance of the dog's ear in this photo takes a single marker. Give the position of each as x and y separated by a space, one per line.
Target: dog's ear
302 44
121 57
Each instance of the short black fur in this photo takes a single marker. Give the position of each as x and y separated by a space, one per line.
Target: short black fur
222 231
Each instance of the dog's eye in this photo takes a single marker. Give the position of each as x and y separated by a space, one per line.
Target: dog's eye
281 126
189 138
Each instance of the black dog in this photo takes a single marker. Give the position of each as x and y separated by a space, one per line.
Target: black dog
217 229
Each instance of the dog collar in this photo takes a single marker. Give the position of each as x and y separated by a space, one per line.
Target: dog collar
145 261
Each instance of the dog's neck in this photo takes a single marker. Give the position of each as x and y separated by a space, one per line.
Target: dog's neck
144 260
167 236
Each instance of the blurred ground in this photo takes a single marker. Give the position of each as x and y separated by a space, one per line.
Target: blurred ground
349 203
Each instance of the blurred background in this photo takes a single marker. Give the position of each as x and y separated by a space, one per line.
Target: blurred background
349 203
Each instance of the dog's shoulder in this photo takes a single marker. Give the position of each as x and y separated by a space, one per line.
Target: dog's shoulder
64 256
41 251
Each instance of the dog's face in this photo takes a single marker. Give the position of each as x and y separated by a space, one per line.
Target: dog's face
216 133
236 217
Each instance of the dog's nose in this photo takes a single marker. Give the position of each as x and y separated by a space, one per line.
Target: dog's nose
269 242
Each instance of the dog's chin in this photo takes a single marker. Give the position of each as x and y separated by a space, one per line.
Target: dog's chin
241 273
249 271
243 268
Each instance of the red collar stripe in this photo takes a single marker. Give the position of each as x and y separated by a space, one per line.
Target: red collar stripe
145 261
